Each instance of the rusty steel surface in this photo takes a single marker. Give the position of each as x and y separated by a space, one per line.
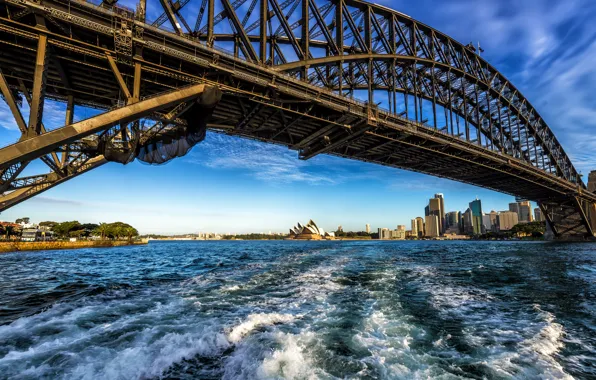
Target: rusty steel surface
306 74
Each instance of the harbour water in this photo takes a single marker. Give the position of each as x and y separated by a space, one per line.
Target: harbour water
301 310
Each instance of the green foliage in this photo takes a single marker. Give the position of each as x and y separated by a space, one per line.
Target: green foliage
534 229
255 237
48 223
116 230
65 228
351 234
22 220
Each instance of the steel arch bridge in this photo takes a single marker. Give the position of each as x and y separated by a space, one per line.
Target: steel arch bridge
340 77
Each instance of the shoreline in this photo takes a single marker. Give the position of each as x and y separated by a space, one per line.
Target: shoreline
27 246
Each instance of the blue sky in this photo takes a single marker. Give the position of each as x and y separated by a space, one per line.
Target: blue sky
547 49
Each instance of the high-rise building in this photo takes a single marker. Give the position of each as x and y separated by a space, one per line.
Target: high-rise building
514 207
486 223
525 212
367 228
434 207
507 219
442 216
400 232
476 208
538 216
432 226
452 219
426 211
467 222
420 226
384 234
494 219
340 228
414 228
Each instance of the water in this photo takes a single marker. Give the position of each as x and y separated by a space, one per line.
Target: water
301 310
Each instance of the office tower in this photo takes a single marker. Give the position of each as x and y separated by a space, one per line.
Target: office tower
426 211
432 226
507 219
367 228
538 216
420 226
442 216
486 222
525 212
400 232
467 222
476 209
494 220
434 207
414 228
514 207
340 228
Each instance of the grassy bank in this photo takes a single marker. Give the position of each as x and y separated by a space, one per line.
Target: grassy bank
48 245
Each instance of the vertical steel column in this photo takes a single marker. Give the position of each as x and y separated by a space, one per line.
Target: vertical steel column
263 31
210 16
339 41
136 90
305 37
39 87
501 127
434 96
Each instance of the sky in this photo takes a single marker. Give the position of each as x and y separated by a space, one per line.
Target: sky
547 49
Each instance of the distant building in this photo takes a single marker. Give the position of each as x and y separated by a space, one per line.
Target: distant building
489 221
476 208
384 233
310 231
442 212
507 219
538 216
414 230
432 226
434 208
486 224
514 207
452 219
525 212
420 226
467 222
367 228
340 228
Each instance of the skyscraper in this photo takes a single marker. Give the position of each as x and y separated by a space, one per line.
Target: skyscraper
420 226
467 222
525 212
514 207
434 207
432 226
538 216
414 227
476 208
442 212
507 219
367 228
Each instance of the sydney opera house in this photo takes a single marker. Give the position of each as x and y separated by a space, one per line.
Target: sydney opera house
310 231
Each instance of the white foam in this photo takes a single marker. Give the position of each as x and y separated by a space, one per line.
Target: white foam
255 321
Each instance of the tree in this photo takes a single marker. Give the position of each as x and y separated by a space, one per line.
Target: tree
48 223
103 229
63 229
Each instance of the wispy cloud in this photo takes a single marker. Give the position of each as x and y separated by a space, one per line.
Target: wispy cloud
270 163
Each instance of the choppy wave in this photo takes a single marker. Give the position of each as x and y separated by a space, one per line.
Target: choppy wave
298 311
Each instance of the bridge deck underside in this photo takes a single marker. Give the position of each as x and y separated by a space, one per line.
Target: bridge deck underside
288 122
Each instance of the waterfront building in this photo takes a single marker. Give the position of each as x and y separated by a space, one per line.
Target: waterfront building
467 222
414 226
442 212
340 228
507 219
476 209
538 216
384 234
432 226
525 212
452 219
310 231
434 208
514 207
367 228
489 221
420 226
486 224
494 220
